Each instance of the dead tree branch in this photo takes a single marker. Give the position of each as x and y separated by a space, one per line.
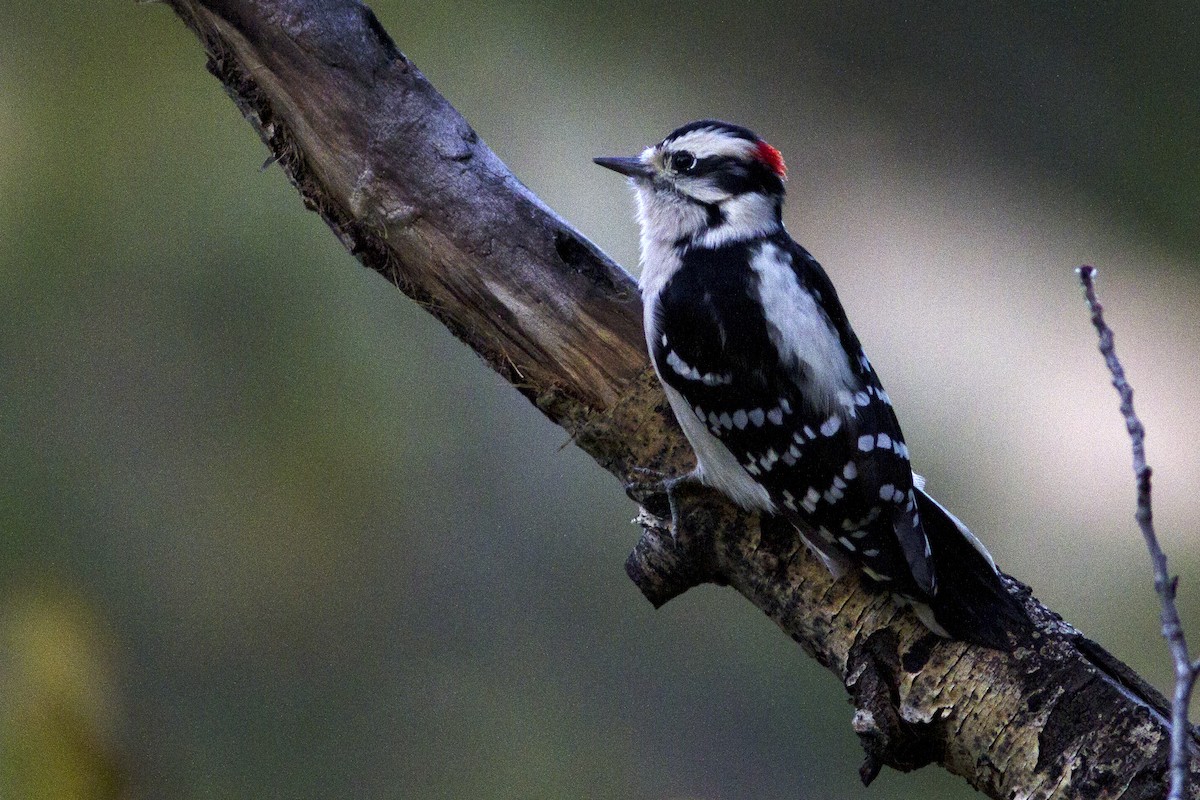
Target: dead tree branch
413 193
1186 671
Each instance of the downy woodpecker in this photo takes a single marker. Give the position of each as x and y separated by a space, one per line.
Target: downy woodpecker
772 389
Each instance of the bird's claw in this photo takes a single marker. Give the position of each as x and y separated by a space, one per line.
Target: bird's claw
662 497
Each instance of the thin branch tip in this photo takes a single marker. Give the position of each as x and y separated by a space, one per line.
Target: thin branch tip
1165 585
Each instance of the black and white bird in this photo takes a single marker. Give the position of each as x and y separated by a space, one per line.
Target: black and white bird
772 389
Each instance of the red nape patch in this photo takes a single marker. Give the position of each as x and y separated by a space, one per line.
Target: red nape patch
772 158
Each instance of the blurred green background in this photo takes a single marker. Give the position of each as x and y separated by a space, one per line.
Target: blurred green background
267 530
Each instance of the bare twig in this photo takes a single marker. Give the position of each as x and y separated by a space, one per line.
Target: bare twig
1186 670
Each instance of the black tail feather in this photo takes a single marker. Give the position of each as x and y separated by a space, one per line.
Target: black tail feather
972 603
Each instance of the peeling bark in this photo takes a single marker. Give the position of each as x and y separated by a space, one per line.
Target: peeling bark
413 193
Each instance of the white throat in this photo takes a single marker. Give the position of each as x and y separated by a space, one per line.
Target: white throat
668 220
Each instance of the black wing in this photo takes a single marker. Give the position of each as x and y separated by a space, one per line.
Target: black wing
833 460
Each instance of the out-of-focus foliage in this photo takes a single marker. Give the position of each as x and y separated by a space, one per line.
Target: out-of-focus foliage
57 704
267 530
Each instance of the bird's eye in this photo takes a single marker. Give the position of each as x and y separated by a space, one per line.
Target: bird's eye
683 162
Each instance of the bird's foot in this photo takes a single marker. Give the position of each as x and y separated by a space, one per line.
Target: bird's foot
662 496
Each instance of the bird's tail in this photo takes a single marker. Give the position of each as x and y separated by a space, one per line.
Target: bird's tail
972 603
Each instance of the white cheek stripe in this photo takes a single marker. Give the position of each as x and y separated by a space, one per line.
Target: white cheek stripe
747 216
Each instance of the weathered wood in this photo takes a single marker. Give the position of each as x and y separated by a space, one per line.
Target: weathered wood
412 191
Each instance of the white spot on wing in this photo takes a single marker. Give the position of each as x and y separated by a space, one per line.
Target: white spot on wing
757 417
866 443
676 363
717 466
740 419
716 379
776 416
873 574
832 425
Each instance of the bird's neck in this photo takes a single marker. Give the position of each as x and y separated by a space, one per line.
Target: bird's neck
740 218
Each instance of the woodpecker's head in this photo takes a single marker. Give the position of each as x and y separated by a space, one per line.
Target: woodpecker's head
708 182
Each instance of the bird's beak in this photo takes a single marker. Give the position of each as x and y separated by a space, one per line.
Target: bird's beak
633 167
